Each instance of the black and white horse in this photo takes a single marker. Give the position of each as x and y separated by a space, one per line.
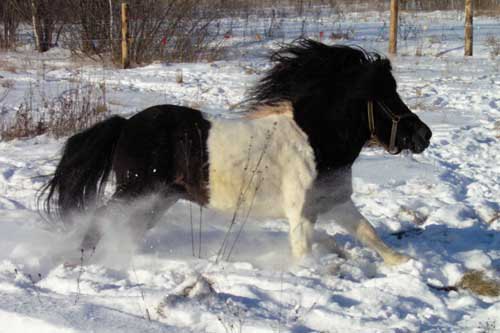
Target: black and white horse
291 157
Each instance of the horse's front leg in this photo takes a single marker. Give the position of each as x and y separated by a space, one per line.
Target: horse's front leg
348 216
300 235
301 219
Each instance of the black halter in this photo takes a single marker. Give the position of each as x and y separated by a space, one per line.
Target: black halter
395 121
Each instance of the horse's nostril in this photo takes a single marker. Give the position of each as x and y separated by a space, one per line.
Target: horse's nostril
425 133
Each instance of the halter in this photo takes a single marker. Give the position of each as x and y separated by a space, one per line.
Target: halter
395 118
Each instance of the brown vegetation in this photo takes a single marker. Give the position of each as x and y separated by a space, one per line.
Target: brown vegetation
73 110
9 22
479 284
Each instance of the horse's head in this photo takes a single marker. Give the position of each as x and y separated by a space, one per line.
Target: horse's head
340 95
388 118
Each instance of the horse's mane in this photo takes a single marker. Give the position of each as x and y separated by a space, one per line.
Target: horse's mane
308 67
265 110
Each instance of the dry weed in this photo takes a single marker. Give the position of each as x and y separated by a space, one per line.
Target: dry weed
493 43
73 110
7 66
479 284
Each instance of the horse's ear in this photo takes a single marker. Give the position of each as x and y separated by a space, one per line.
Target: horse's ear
383 64
373 78
378 66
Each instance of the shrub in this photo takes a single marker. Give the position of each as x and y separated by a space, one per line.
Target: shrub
73 110
493 44
170 30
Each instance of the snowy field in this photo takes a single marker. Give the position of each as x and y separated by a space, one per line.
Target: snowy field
438 207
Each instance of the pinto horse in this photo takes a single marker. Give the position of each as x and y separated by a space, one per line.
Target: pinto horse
289 157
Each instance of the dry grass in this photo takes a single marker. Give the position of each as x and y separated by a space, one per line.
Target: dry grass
342 33
495 217
476 282
415 217
488 326
7 66
493 11
493 44
479 284
75 109
7 84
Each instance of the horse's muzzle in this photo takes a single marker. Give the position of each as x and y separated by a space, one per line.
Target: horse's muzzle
421 139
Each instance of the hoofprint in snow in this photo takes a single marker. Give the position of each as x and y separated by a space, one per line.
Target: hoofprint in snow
434 207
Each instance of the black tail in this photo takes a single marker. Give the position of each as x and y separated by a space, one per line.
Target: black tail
83 170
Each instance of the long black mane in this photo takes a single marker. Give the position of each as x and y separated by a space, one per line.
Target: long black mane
328 87
307 65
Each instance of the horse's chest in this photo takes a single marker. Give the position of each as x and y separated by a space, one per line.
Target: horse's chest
330 189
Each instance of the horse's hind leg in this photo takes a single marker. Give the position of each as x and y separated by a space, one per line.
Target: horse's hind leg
134 215
147 212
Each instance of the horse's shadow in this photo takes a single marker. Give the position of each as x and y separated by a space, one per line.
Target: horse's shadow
447 240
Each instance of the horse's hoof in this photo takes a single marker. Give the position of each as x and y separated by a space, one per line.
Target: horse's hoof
396 259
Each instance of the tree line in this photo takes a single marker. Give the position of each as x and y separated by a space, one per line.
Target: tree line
92 27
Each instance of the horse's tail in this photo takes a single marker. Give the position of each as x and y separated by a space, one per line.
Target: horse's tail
83 170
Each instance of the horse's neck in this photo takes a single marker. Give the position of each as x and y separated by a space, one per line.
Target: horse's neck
336 143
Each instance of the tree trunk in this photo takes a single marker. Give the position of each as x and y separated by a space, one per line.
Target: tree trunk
42 25
47 26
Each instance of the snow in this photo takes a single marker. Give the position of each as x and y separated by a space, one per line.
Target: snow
434 207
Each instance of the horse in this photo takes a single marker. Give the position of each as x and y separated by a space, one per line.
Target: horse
289 157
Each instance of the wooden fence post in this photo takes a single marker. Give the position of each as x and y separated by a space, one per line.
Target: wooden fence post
125 37
468 27
393 29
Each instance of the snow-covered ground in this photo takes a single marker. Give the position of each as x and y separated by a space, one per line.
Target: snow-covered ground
438 207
